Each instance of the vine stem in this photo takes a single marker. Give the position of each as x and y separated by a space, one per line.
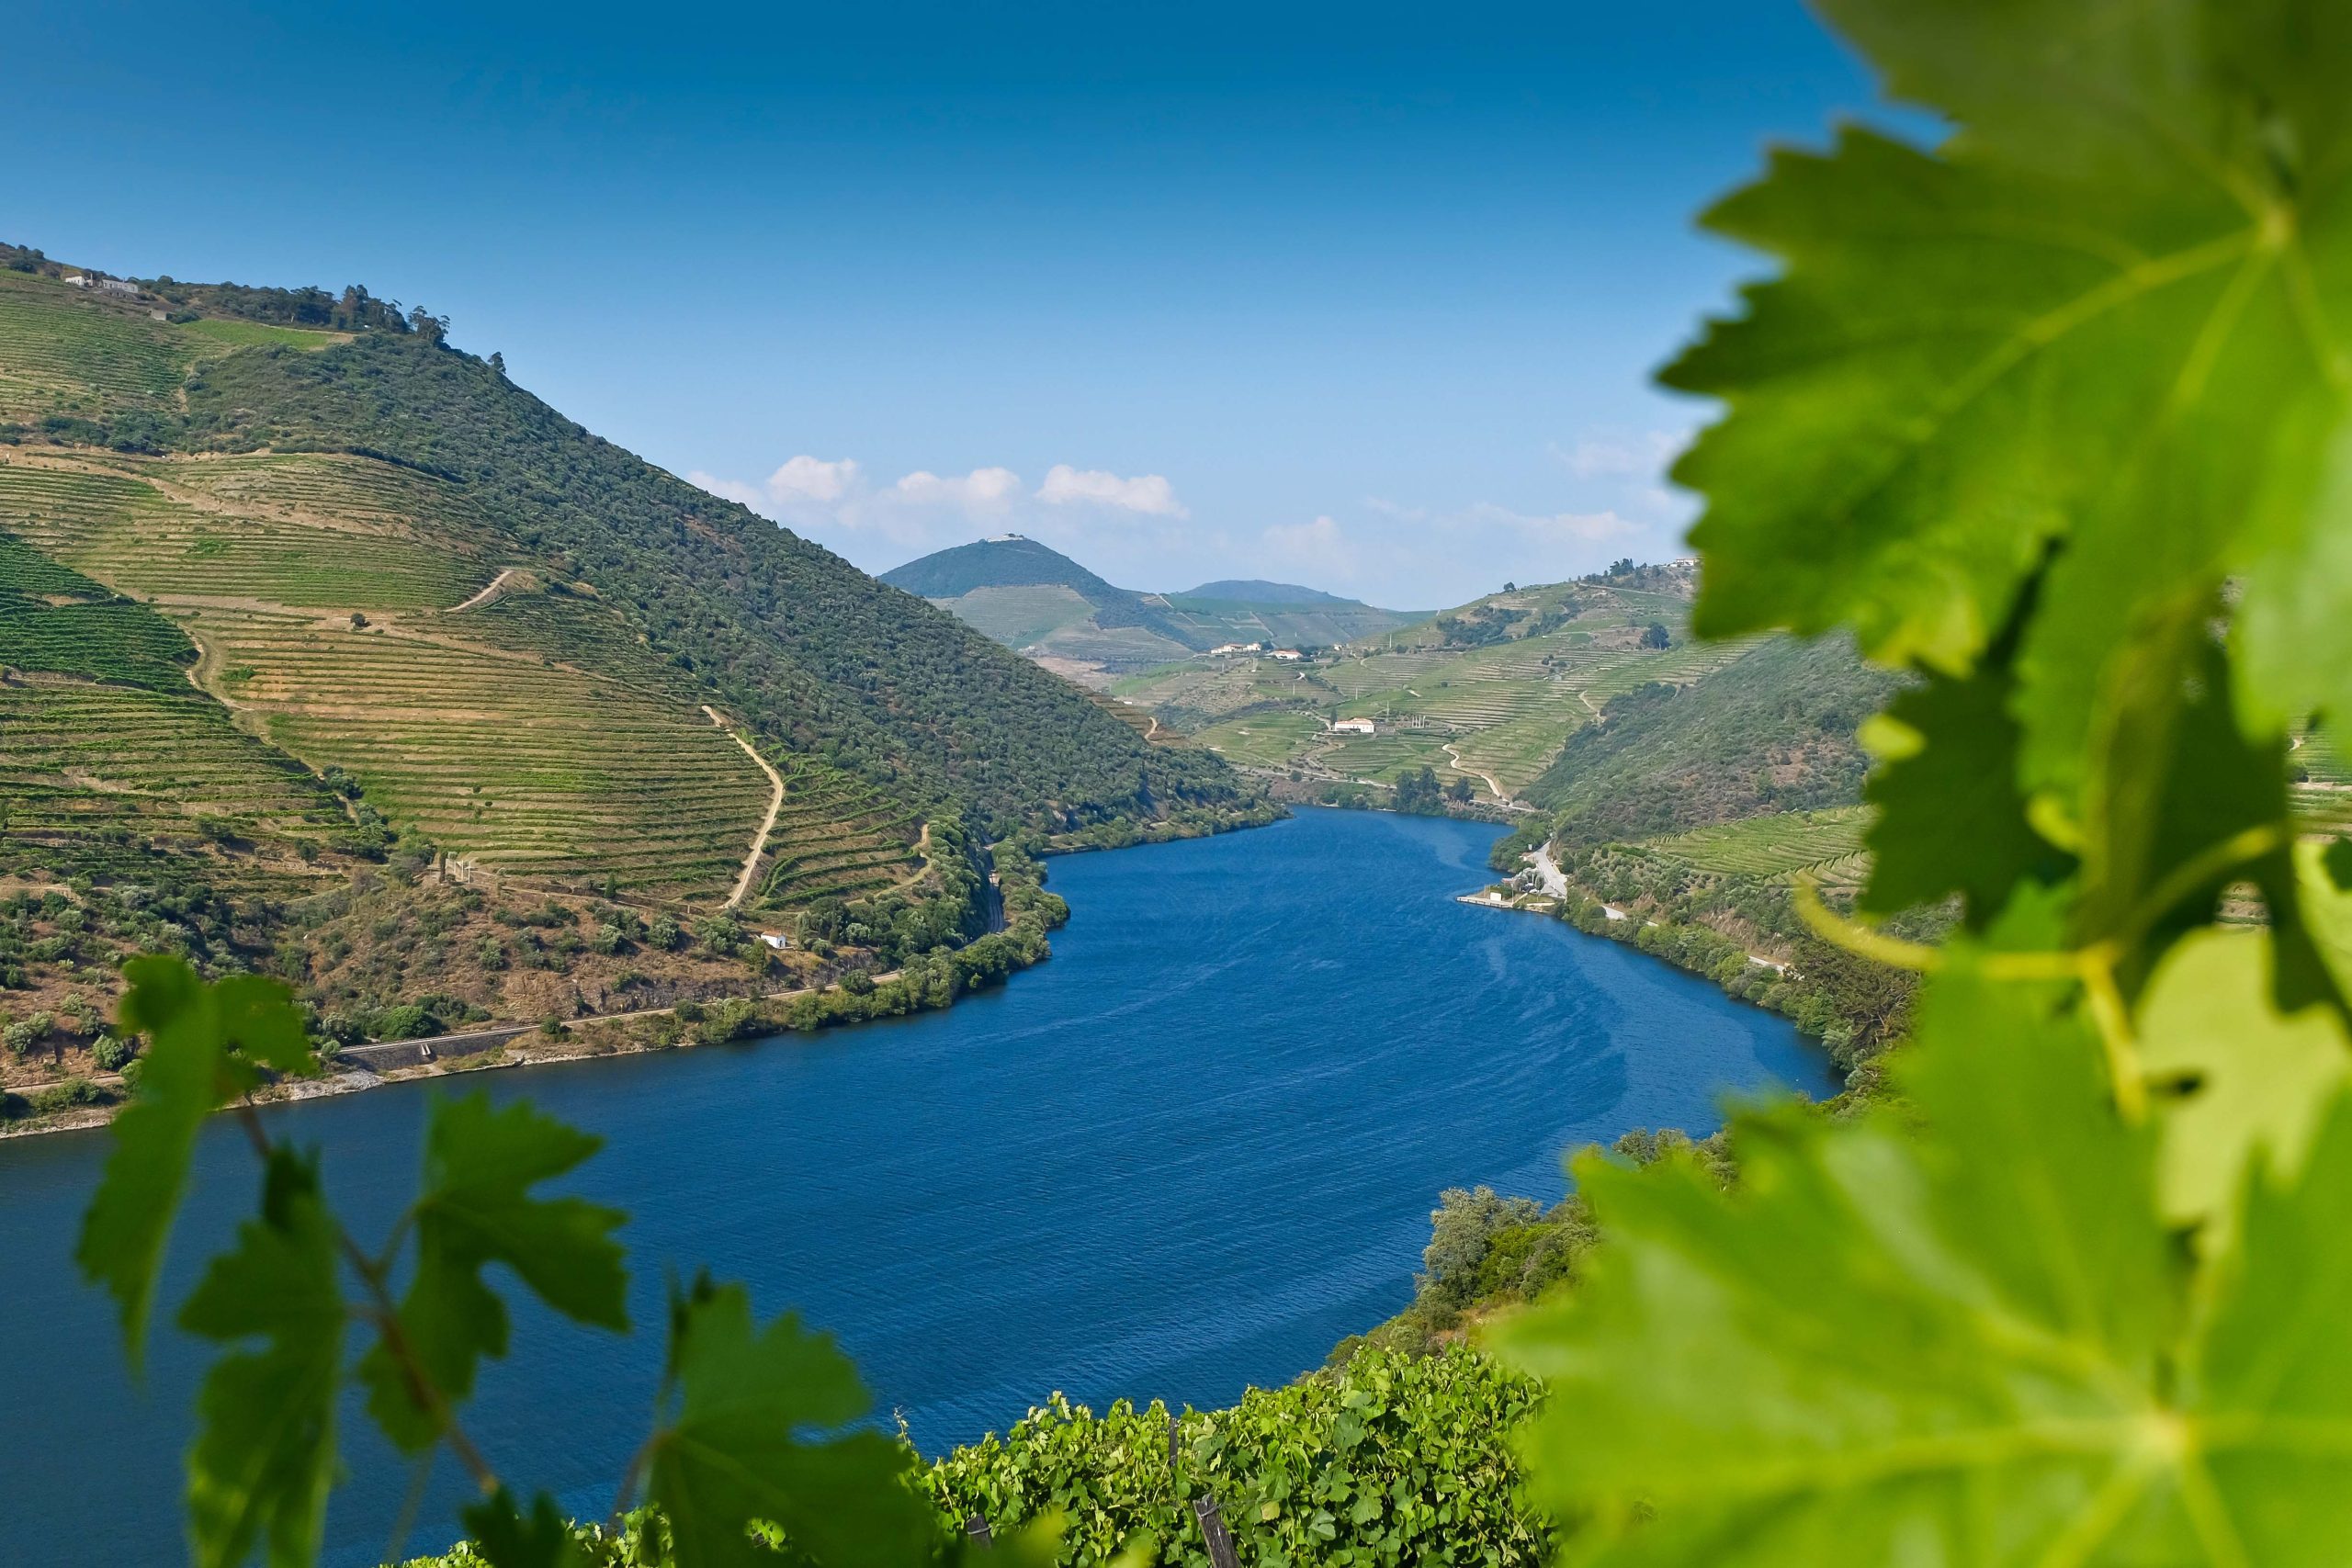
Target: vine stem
2113 1016
2093 967
385 1314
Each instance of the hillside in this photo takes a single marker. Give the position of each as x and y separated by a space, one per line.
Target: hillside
1037 601
1258 591
289 612
1485 694
1772 731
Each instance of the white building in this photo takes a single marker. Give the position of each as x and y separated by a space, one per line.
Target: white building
77 280
1225 648
116 286
1352 727
1289 653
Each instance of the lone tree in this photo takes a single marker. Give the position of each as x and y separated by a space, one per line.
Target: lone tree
1656 636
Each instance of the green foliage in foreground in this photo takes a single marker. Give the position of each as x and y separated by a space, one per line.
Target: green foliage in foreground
755 1425
1392 1459
2017 414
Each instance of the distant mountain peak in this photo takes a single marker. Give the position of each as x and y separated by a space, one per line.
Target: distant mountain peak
1094 623
1258 591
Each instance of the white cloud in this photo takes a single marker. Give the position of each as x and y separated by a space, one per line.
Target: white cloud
1148 493
813 479
1620 454
983 490
1320 547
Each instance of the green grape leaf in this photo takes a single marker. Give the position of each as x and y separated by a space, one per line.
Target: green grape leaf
761 1433
2242 1076
2324 873
202 1040
1950 818
2176 777
507 1538
2103 316
1975 1342
1876 1333
263 1458
475 1209
2274 1368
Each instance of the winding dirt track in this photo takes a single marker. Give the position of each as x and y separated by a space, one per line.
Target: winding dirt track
1500 793
488 593
768 824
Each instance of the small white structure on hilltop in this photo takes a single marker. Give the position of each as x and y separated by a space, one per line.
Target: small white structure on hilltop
77 280
1291 654
1352 727
776 940
1006 539
1223 649
116 286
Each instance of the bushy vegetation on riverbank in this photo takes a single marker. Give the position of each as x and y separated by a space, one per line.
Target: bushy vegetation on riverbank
1390 1458
1393 1461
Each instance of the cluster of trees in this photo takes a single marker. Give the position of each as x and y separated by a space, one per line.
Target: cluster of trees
936 980
353 310
952 906
1483 626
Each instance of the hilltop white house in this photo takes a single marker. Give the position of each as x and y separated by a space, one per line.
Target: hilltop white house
1352 727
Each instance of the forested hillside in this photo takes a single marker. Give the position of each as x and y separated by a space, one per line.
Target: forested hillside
381 669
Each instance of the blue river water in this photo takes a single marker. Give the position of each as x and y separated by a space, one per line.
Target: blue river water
1186 1155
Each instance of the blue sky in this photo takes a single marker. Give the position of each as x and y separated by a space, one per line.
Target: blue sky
1362 296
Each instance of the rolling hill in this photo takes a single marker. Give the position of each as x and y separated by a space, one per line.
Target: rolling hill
1509 692
1039 602
294 595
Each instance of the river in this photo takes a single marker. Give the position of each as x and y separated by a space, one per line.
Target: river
1186 1155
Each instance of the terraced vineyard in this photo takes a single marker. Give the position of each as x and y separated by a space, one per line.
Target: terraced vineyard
1263 739
71 350
531 734
319 539
87 770
64 351
1826 845
106 748
835 836
503 757
2318 759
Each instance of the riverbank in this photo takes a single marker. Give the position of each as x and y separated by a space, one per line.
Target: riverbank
928 982
1744 935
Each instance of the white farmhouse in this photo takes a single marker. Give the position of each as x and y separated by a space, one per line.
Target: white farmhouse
1352 727
1291 654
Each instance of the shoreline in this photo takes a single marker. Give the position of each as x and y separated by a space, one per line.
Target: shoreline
1558 900
585 1039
